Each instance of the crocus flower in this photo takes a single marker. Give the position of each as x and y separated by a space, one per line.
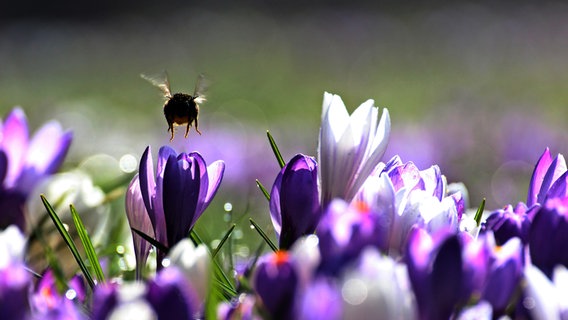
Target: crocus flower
345 230
294 201
49 303
547 298
548 235
138 219
177 195
321 300
435 272
194 263
276 282
549 179
24 162
378 286
15 280
404 196
349 146
509 222
503 275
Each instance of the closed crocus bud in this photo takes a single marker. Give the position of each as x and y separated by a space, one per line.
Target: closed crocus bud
504 274
548 235
276 282
194 262
172 297
435 271
294 201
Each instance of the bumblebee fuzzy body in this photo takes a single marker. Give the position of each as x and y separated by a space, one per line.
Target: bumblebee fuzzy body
181 109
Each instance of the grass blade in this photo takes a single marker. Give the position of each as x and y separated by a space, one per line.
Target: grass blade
152 241
227 235
479 212
275 150
263 189
87 245
263 235
68 240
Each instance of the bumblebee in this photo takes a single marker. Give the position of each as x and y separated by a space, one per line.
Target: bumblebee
180 108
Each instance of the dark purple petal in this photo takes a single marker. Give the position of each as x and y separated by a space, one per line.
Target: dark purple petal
181 193
556 169
12 209
504 275
105 299
548 235
508 223
172 297
3 166
431 263
15 284
148 183
299 199
200 169
275 282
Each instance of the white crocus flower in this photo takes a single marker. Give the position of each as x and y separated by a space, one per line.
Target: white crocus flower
194 262
349 146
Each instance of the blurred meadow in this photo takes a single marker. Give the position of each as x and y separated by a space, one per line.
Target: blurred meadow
479 90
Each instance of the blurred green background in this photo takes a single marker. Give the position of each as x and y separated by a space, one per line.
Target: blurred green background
479 89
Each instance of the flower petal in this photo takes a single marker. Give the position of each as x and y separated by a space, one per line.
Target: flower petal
139 219
14 141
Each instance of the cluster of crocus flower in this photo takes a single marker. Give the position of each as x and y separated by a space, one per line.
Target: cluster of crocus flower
24 162
357 237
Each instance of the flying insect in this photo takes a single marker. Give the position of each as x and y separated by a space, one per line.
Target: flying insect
180 108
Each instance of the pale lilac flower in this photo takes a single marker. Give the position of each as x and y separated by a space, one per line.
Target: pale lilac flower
194 262
349 147
24 162
15 280
378 286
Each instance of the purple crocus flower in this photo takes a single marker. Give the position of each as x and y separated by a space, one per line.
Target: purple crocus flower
504 275
510 222
549 179
548 235
294 201
176 196
350 146
172 297
435 272
49 303
345 230
276 281
321 300
24 162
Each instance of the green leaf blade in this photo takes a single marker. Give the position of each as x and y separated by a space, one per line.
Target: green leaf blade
275 149
68 240
87 245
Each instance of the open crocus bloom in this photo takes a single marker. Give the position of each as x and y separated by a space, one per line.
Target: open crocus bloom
24 162
349 146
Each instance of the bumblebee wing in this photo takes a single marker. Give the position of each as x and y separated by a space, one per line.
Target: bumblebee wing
200 88
161 81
